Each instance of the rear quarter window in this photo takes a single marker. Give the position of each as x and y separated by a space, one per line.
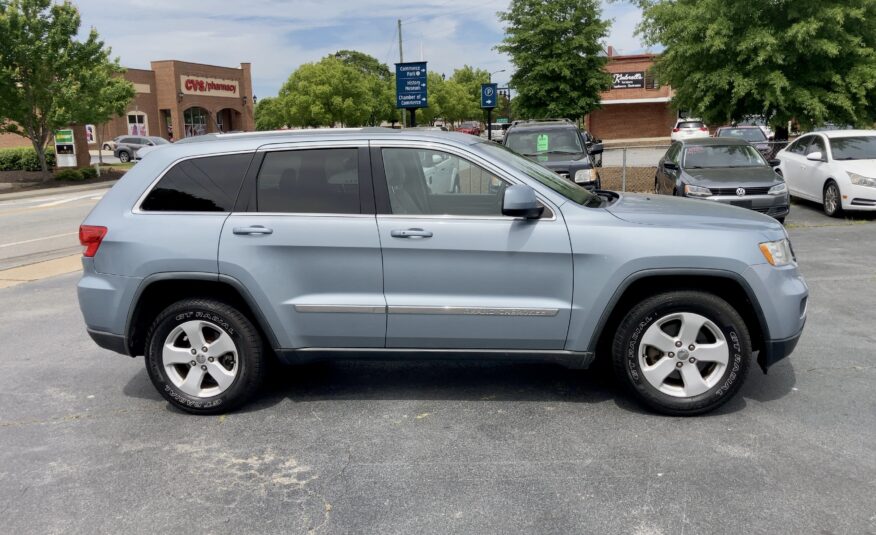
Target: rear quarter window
208 184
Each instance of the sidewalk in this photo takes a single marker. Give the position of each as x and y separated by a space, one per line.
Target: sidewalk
55 191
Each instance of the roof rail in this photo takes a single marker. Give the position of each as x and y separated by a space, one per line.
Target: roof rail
546 120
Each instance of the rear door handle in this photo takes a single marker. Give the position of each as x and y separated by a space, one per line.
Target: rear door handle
255 229
410 233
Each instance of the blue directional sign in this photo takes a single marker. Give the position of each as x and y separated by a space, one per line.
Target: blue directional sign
489 96
410 85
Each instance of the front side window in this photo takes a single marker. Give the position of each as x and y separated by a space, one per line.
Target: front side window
799 146
318 181
429 182
706 156
817 145
853 148
208 184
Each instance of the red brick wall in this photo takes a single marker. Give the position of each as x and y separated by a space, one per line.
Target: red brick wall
9 141
626 121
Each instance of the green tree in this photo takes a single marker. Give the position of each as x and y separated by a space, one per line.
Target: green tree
326 93
104 95
556 49
377 79
454 102
809 60
269 114
44 70
471 79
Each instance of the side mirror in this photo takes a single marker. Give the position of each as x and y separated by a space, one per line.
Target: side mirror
519 201
672 166
595 148
775 162
815 156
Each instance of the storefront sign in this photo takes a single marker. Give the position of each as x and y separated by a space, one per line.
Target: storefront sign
212 87
628 80
65 148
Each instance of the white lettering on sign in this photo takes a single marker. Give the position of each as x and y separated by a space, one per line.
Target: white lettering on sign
628 80
195 85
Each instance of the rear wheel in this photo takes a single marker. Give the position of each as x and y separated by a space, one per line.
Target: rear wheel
204 356
682 353
124 157
832 201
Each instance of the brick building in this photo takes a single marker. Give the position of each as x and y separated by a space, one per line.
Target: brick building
635 106
176 99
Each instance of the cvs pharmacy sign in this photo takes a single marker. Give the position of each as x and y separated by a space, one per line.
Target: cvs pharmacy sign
196 85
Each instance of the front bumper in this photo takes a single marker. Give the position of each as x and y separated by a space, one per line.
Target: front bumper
775 350
857 197
771 205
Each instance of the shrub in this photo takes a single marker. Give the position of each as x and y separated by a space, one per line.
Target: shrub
24 159
69 174
88 172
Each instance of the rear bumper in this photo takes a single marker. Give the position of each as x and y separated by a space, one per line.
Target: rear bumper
775 350
113 342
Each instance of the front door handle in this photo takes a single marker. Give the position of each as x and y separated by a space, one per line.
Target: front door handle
255 229
411 233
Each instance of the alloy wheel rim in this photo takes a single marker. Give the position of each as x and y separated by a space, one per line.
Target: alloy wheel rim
683 354
830 198
200 358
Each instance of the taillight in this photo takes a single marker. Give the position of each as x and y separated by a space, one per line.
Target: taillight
90 236
675 129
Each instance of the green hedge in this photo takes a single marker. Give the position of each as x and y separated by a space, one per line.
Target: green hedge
88 172
73 175
24 159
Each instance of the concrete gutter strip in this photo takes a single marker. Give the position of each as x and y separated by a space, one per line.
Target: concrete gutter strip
56 191
40 270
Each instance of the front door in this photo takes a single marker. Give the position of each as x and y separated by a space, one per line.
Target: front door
306 247
457 273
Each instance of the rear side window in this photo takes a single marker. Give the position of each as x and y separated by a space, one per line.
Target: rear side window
207 184
318 181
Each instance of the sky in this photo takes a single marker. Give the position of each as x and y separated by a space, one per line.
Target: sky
277 36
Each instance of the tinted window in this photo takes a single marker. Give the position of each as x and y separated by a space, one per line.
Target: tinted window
199 185
321 181
854 148
672 153
127 140
427 182
799 146
703 156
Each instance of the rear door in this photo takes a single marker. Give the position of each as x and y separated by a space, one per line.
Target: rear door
303 241
457 273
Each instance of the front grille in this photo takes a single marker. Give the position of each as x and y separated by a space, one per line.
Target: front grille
863 202
774 211
748 191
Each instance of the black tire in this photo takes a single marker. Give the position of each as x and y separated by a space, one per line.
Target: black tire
781 219
107 147
625 351
124 157
834 209
248 345
656 187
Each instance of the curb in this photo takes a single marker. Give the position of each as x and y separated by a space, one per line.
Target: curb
52 191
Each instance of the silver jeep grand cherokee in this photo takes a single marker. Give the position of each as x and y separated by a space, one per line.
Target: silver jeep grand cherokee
212 257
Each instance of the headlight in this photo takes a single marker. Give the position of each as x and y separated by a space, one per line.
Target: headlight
778 253
697 191
778 189
861 180
585 175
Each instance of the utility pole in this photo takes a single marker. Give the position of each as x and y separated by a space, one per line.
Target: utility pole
401 59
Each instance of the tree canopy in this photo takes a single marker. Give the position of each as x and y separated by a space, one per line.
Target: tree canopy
557 51
49 79
809 60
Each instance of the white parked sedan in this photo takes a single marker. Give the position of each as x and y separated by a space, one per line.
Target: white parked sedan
835 168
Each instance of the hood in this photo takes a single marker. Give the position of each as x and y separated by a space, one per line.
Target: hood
561 161
678 212
861 167
725 177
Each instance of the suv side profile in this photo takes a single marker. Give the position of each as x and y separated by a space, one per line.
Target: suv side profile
212 257
127 146
560 146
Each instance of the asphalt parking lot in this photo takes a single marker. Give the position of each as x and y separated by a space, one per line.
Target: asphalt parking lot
88 446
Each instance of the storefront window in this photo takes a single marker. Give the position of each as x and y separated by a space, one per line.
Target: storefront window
137 124
195 120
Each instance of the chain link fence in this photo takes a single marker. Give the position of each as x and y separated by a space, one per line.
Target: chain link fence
634 168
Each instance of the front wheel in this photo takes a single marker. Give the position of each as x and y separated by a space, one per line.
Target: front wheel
204 356
832 201
683 352
124 157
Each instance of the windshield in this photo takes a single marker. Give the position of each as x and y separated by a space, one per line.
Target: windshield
564 187
159 140
748 134
705 156
534 142
853 148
